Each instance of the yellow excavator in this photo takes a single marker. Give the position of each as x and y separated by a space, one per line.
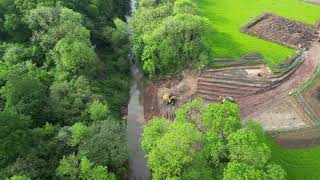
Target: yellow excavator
169 99
228 98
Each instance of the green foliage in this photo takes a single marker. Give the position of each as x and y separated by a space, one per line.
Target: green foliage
216 149
19 178
99 111
34 163
171 24
15 54
75 56
26 96
183 33
275 171
73 167
63 62
241 171
153 132
68 167
198 169
89 171
51 24
208 143
244 146
106 145
14 137
184 6
169 156
222 118
252 125
78 133
70 98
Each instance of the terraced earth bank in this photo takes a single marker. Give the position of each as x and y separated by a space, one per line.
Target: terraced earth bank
261 95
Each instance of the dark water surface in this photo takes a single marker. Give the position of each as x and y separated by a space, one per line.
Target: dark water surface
138 169
137 162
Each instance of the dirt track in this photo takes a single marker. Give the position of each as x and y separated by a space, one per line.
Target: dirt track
253 105
308 137
261 95
313 1
275 109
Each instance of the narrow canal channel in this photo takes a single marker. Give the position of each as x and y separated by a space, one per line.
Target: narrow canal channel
138 169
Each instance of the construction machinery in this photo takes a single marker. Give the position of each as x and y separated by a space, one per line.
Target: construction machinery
169 99
224 99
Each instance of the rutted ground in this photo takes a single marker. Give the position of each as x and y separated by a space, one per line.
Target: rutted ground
273 101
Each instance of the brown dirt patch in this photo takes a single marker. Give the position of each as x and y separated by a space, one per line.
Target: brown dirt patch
151 100
183 89
255 104
259 97
282 30
308 137
312 98
282 115
313 1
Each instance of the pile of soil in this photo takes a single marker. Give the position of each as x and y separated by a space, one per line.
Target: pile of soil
284 31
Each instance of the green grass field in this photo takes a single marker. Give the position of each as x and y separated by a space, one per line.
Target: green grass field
228 16
299 164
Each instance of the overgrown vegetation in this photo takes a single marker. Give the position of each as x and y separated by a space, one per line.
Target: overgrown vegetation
168 35
63 77
208 143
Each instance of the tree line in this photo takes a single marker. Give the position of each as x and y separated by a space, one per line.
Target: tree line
63 78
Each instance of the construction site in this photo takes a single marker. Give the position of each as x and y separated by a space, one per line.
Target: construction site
285 101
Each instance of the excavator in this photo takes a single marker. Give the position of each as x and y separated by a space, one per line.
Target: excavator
228 98
169 99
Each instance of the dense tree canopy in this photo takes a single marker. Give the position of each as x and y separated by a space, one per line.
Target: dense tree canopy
74 168
208 143
158 25
63 79
14 136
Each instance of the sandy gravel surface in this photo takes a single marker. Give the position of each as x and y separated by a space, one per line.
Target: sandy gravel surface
272 106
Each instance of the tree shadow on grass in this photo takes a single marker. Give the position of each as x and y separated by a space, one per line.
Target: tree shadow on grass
223 45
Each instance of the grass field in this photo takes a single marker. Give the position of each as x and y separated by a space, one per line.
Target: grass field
228 16
299 164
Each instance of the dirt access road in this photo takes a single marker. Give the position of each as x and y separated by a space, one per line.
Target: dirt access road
313 1
274 108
